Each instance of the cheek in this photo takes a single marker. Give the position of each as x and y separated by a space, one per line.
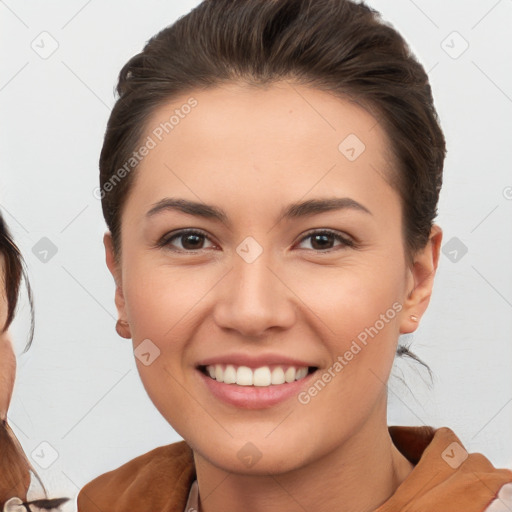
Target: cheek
160 308
357 313
165 305
161 300
353 298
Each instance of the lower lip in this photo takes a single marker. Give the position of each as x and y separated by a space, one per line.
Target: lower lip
254 397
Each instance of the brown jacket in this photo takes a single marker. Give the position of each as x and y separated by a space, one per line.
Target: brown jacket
445 478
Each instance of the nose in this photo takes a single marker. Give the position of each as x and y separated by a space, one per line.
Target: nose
254 298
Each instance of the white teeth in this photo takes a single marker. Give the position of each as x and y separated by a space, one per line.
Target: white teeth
289 374
261 377
301 373
278 375
244 376
229 374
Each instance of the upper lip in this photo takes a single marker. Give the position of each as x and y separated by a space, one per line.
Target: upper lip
255 361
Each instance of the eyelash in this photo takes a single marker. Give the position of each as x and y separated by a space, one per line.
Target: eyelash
345 241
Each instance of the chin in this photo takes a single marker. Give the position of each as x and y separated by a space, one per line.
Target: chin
253 457
267 464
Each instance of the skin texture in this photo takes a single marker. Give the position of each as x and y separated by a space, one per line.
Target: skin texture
252 152
7 357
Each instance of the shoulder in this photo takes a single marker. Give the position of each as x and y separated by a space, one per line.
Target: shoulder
159 479
446 473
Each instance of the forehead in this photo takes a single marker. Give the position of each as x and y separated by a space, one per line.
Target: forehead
285 137
256 113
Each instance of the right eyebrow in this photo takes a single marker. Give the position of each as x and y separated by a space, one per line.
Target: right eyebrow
189 207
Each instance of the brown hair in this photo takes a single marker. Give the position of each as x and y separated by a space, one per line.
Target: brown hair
338 46
15 468
13 272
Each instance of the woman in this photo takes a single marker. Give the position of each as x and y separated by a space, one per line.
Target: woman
15 468
270 177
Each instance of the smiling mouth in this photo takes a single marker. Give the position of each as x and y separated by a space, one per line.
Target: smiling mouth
262 376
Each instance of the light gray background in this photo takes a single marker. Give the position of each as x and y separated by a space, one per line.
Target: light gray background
78 390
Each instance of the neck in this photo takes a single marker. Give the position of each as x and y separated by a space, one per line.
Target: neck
357 476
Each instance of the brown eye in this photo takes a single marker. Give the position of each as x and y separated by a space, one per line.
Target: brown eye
188 240
324 240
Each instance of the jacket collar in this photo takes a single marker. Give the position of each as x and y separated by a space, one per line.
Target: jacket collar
445 478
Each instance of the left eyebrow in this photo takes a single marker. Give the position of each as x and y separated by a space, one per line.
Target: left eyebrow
294 210
316 206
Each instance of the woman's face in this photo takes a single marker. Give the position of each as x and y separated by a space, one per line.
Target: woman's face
267 280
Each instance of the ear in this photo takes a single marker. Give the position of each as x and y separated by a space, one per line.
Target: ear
421 281
122 326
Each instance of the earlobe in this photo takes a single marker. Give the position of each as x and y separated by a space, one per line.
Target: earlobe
123 329
122 325
422 272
